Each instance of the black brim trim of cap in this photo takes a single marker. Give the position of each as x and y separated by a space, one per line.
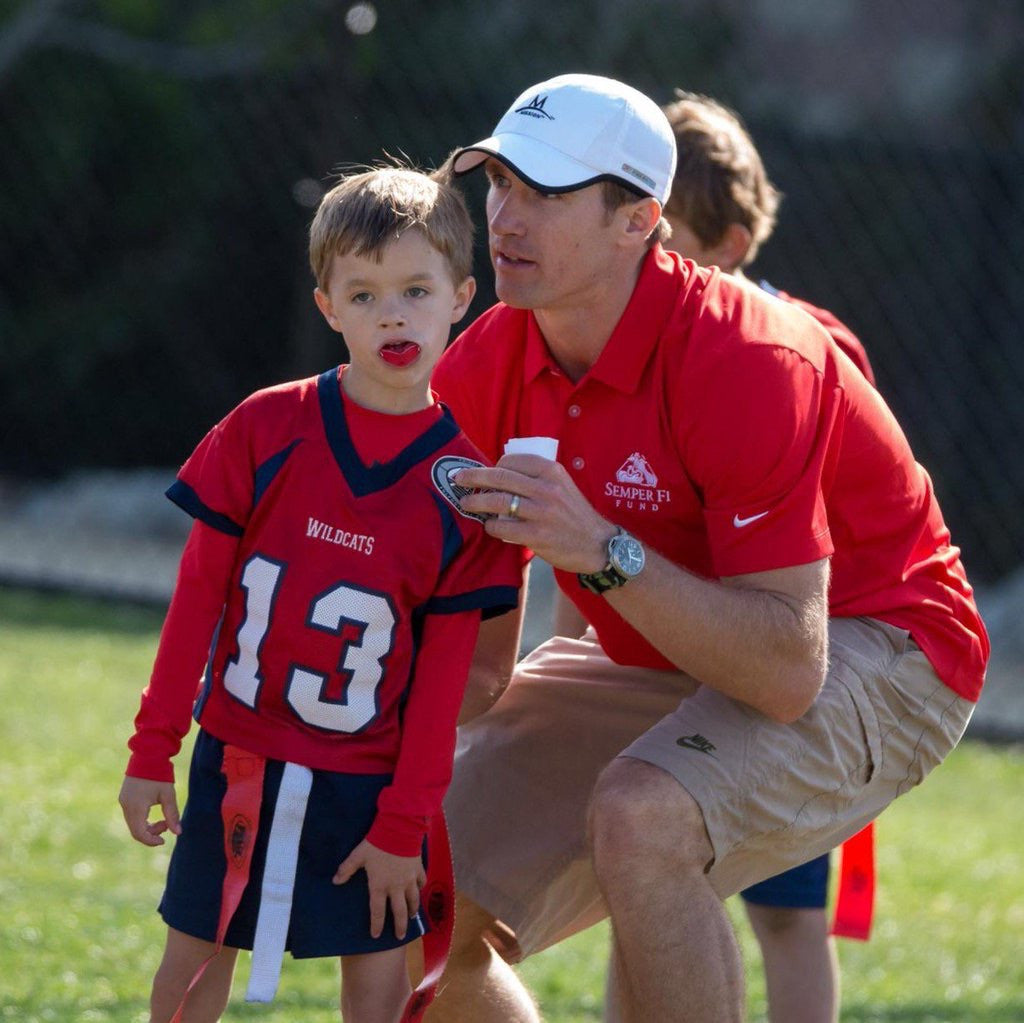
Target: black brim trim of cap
548 189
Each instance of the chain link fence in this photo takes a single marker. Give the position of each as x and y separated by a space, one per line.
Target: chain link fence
159 165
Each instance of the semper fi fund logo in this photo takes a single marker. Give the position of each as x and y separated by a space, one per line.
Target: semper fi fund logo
636 486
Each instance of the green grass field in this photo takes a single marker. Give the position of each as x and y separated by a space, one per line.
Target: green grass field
79 937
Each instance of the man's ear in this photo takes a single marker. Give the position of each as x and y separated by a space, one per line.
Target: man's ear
642 218
323 303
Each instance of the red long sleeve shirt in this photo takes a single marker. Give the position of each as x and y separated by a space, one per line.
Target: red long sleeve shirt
332 587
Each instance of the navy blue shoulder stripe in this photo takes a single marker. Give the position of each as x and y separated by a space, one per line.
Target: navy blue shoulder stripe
188 500
452 542
363 479
491 601
266 472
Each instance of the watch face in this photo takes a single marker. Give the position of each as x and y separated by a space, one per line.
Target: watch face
627 555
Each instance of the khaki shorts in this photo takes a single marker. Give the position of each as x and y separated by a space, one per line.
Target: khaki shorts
773 796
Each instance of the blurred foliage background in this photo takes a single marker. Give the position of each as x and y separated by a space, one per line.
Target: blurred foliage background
160 162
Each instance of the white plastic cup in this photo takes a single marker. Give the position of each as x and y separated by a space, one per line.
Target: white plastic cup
546 447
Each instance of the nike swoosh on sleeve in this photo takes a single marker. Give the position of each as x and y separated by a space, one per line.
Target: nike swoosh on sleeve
740 523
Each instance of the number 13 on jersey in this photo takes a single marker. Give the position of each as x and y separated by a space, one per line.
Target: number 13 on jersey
363 662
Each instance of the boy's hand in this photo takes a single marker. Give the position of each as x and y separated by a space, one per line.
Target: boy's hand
137 796
393 879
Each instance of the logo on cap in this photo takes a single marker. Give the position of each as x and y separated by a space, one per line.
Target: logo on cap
535 108
649 182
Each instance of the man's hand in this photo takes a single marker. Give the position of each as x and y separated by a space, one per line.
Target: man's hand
393 879
136 798
553 517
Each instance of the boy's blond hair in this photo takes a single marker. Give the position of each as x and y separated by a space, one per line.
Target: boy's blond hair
720 178
365 212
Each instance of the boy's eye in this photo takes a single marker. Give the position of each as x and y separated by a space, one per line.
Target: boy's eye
416 291
361 297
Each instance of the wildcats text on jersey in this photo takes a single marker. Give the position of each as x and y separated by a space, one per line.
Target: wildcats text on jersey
343 537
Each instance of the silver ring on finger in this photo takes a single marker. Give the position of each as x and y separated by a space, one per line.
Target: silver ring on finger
513 506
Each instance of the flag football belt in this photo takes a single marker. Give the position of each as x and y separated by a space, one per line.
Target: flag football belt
240 812
855 899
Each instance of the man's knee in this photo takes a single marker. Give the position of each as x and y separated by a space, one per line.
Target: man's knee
642 818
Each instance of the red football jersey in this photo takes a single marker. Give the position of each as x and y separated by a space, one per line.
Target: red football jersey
723 429
337 566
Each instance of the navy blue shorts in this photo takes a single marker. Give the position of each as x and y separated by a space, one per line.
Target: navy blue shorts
803 887
326 919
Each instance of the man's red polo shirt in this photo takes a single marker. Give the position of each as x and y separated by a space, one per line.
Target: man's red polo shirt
724 430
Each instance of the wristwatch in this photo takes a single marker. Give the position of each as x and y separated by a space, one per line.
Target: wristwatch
626 560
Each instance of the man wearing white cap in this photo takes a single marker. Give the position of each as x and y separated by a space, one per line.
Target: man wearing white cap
782 639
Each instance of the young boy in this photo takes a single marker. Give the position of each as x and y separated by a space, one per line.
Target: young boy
343 588
723 206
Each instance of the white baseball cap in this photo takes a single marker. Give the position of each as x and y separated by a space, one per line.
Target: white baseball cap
573 130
